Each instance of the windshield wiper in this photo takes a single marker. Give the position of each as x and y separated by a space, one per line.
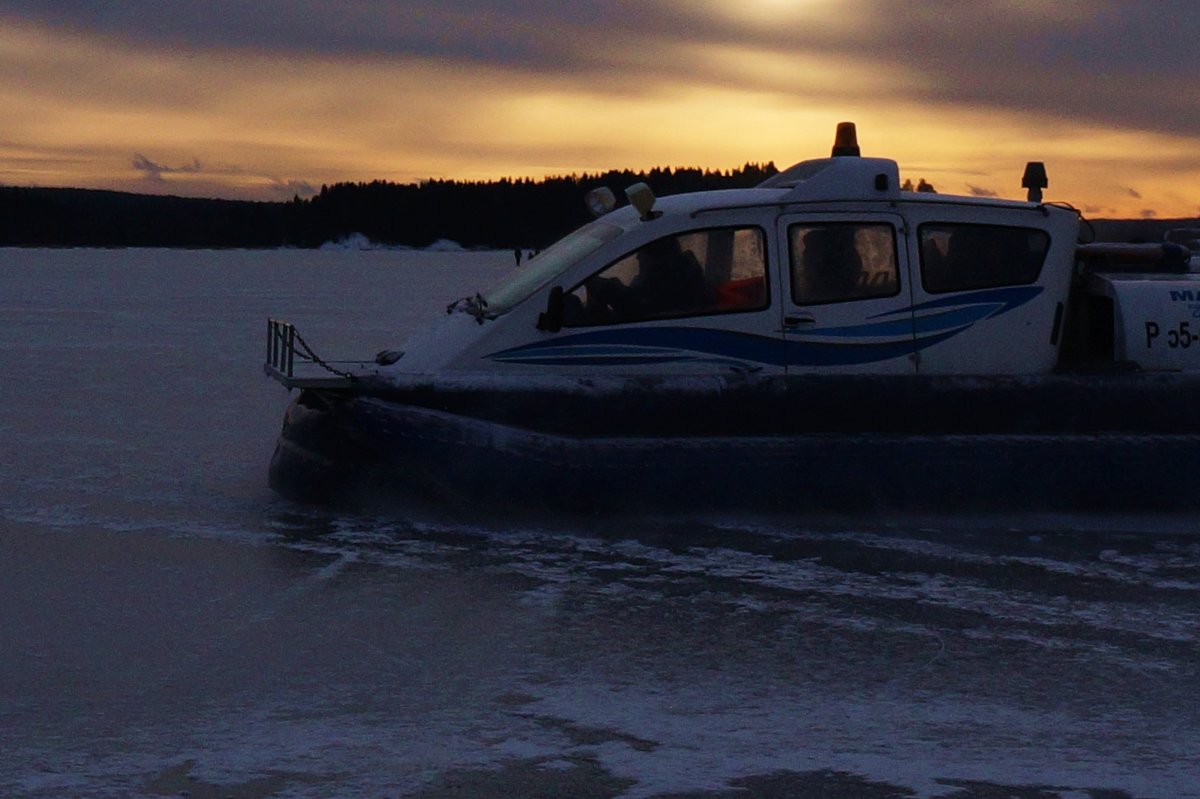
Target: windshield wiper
476 306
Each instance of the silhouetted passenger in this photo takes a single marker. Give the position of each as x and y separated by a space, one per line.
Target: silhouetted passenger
831 263
973 259
669 281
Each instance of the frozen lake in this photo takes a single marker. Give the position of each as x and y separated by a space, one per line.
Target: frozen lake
169 626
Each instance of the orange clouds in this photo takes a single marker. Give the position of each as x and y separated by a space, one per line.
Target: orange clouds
243 122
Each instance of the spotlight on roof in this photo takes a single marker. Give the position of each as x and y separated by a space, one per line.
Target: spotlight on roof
642 198
600 201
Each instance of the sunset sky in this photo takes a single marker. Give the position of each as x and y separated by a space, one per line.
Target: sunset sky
267 99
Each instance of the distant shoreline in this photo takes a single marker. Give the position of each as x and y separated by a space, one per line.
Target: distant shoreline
505 214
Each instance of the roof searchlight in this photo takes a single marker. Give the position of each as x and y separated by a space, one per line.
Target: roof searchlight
642 198
600 201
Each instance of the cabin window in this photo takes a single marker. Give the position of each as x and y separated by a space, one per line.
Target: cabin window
839 261
961 257
558 258
701 272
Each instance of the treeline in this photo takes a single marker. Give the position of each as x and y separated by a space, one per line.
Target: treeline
34 217
505 213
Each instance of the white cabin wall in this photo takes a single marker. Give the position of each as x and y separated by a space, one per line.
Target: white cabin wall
1016 341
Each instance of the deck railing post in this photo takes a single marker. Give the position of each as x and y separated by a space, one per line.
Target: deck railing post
291 348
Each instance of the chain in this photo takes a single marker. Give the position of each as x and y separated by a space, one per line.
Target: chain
306 352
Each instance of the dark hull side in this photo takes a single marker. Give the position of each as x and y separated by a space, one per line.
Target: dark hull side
1061 442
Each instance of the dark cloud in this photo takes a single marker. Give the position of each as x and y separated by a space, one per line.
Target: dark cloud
980 191
155 171
1134 193
1120 63
1115 62
539 34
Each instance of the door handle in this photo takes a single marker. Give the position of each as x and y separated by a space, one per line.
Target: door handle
794 321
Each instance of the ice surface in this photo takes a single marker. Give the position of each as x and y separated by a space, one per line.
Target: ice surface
164 613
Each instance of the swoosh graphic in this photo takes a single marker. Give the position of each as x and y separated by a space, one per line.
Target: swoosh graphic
930 323
629 345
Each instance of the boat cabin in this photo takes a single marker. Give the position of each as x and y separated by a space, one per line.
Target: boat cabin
829 266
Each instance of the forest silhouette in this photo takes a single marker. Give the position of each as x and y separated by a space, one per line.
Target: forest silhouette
506 213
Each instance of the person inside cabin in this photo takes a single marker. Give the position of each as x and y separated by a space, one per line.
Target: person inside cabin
972 258
660 280
669 281
831 264
933 262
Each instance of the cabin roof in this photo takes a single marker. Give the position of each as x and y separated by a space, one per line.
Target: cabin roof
706 201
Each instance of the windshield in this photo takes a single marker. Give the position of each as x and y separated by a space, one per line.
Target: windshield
547 265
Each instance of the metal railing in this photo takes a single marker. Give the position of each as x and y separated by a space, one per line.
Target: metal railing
287 349
281 346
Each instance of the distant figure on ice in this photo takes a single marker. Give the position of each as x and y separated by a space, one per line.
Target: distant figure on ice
517 255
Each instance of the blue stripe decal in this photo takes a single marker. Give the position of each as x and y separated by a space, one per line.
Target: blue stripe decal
634 345
1005 300
897 333
892 327
954 319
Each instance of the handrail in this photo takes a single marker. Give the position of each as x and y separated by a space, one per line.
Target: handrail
281 346
285 346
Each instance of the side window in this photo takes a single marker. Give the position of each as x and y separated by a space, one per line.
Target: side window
960 257
701 272
838 261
